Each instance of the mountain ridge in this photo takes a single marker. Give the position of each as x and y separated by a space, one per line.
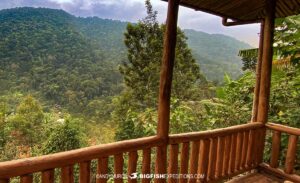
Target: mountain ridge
216 53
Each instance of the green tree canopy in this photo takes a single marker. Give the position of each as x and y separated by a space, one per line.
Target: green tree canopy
144 42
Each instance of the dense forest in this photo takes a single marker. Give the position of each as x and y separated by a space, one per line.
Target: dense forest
68 82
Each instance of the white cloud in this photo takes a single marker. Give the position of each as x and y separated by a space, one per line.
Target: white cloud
133 10
62 1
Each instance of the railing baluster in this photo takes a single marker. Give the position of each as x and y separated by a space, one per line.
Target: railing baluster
184 161
249 161
261 146
220 157
291 154
48 176
146 167
226 155
244 151
239 146
102 170
194 160
118 168
26 178
132 163
212 158
84 174
204 159
173 162
276 143
232 154
67 174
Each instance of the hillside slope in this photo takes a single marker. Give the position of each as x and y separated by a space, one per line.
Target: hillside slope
216 53
43 52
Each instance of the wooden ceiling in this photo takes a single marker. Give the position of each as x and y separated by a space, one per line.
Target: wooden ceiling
243 10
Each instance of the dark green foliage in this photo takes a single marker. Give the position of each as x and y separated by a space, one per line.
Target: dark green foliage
287 36
141 73
217 54
135 107
249 63
65 136
42 51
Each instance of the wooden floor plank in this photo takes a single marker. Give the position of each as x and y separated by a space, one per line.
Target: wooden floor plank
257 178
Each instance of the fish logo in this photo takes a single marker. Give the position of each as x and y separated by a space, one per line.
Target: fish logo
133 176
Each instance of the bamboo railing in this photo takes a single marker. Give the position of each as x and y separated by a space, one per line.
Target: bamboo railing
214 155
290 158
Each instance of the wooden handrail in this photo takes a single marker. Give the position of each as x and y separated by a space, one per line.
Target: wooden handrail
283 128
279 173
37 164
186 137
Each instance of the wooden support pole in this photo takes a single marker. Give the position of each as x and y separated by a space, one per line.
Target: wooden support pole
258 74
166 74
266 67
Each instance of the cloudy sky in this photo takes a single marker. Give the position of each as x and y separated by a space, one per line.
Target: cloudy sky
133 10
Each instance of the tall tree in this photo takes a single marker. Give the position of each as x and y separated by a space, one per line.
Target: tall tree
144 42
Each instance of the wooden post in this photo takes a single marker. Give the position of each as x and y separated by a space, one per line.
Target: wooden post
166 72
258 74
266 71
165 87
266 67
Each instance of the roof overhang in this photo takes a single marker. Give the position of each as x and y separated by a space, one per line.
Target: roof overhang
243 10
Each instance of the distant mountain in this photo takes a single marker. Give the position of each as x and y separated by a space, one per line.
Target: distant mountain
44 52
216 53
40 45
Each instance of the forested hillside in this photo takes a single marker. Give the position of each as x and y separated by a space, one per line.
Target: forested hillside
43 52
216 53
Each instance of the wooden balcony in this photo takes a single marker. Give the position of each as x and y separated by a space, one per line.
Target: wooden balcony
214 156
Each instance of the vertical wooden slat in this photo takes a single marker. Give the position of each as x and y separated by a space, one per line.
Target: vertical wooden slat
102 170
232 154
276 143
220 157
48 176
261 145
132 163
212 159
204 160
4 180
291 154
67 175
194 160
118 168
184 161
161 163
249 160
239 146
26 178
146 165
255 151
226 156
244 150
173 163
84 172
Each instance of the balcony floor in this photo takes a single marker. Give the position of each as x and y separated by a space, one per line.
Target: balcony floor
257 177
